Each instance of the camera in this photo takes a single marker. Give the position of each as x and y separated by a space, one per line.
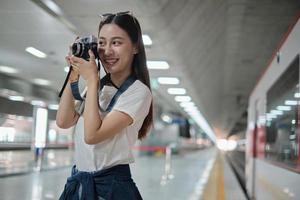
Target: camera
81 47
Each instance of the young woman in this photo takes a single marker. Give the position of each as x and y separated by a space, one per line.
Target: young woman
103 145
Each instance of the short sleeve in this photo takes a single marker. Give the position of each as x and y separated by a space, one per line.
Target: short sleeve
135 101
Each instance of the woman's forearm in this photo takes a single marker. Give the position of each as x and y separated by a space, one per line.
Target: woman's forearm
92 118
66 114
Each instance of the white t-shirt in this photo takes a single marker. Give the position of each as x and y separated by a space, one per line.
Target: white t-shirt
135 102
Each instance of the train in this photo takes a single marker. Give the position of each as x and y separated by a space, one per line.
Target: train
272 165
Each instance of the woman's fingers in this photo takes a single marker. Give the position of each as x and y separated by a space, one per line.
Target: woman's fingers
75 68
77 37
67 58
76 60
92 56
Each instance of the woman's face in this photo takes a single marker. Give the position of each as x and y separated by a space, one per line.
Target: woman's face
116 50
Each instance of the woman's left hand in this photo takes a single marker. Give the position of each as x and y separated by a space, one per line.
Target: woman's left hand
87 69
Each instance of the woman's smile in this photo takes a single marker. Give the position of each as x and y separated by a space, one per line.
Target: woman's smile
110 61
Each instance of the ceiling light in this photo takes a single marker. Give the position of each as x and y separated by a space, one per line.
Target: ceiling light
290 103
187 104
147 40
276 112
271 115
168 80
284 108
183 98
53 106
201 121
38 103
178 91
157 65
53 6
7 69
16 98
297 95
40 81
191 108
7 92
36 52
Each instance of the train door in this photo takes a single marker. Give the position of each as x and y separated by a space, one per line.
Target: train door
251 150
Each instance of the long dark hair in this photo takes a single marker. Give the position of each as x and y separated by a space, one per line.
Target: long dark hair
131 26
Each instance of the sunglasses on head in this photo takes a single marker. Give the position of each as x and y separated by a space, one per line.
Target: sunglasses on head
106 15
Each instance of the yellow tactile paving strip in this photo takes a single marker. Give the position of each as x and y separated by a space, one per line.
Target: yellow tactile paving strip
215 189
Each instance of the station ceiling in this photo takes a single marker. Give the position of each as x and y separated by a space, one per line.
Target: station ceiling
217 48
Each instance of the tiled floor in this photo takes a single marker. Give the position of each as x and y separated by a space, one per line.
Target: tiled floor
187 169
23 161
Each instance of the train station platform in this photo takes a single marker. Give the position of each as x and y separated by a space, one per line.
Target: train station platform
192 175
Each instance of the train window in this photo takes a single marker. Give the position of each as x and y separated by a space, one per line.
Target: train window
282 117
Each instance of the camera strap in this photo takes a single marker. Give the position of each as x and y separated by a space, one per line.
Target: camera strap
74 85
65 83
129 81
75 91
105 81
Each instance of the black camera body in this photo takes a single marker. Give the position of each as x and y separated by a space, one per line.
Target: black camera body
81 47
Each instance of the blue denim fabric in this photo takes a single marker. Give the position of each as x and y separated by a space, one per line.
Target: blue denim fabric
114 183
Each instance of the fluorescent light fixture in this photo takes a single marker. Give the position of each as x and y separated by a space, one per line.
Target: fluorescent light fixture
66 69
53 106
40 81
178 91
183 98
290 103
187 104
284 108
168 80
276 112
7 69
38 103
292 137
16 98
147 40
53 6
201 121
36 52
297 95
41 127
157 65
8 92
191 109
194 113
271 115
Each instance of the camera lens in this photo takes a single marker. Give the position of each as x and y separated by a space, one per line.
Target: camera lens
77 49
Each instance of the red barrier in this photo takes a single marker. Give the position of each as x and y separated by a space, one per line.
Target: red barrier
149 148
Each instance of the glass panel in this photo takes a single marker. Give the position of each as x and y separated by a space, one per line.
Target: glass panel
15 129
282 117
